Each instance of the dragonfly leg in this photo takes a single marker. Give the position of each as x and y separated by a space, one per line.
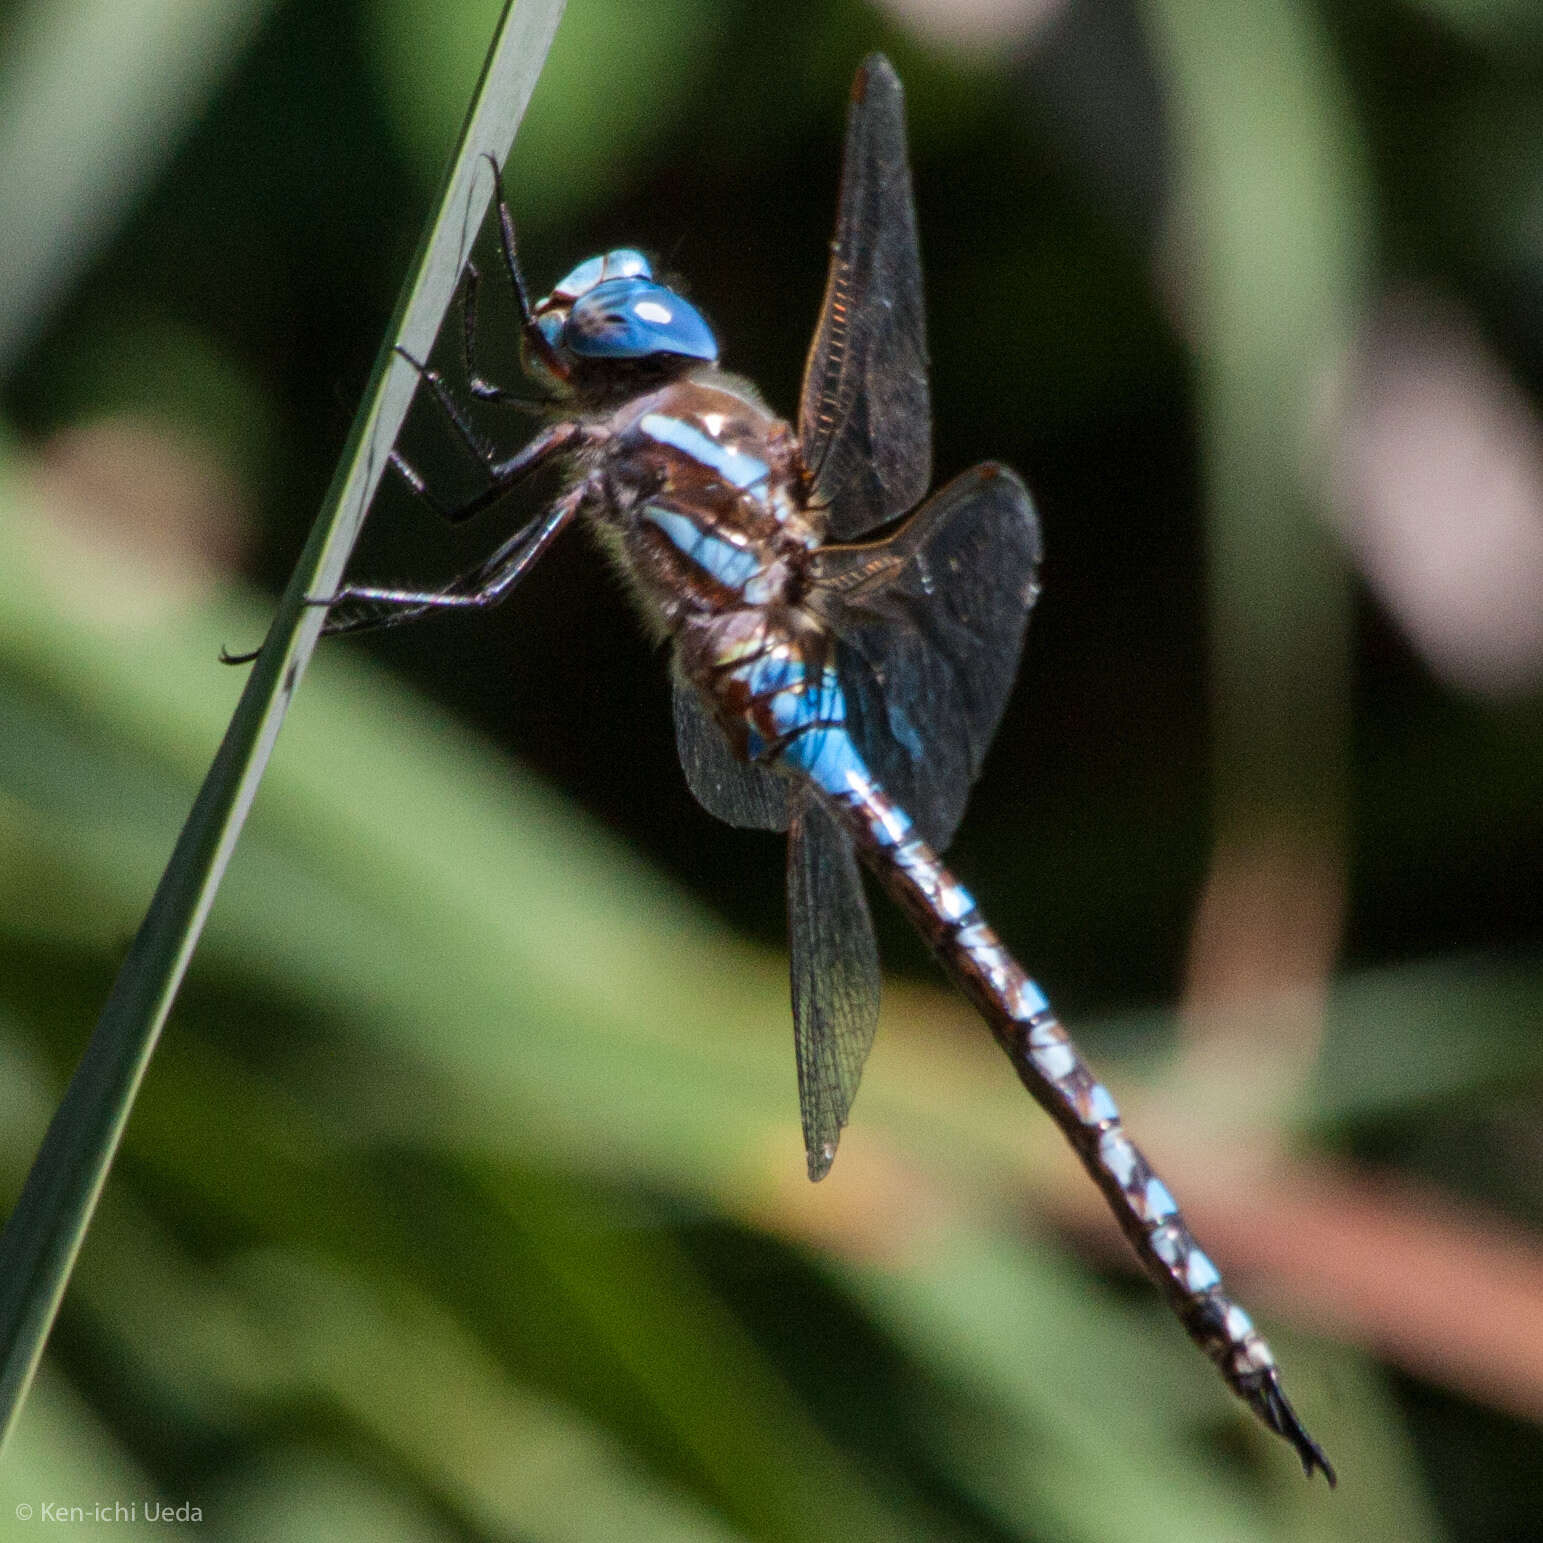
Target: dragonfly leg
501 475
480 386
490 582
479 447
485 585
536 341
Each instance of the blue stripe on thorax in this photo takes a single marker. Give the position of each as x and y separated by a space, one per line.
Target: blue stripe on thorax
732 566
735 467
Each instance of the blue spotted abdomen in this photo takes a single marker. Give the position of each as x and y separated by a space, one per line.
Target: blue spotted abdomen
1047 1062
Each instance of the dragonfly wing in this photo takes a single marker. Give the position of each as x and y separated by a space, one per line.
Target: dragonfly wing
929 624
835 970
865 415
726 787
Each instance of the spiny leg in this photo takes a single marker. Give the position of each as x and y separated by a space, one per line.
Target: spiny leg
536 341
493 579
501 475
485 585
478 445
480 387
490 582
497 575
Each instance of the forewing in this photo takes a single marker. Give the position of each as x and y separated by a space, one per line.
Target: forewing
865 416
726 787
929 626
835 971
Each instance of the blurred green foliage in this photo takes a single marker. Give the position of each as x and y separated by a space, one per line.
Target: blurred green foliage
462 1200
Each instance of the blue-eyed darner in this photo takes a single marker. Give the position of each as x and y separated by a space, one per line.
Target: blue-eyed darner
835 685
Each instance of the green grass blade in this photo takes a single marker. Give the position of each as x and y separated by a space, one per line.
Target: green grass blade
38 1247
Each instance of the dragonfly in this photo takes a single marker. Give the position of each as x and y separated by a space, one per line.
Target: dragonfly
842 645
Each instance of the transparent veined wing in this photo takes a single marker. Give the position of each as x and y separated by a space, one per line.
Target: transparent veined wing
929 625
729 789
865 415
835 975
834 959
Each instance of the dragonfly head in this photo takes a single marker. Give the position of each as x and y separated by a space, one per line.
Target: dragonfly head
607 317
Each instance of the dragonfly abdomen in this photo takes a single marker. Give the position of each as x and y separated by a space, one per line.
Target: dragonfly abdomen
1053 1070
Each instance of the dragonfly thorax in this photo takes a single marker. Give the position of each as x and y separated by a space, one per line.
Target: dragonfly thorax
700 485
609 316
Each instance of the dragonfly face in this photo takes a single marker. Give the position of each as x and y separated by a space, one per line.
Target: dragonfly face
842 691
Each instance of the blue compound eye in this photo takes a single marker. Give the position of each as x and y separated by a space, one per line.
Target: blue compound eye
632 318
624 263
